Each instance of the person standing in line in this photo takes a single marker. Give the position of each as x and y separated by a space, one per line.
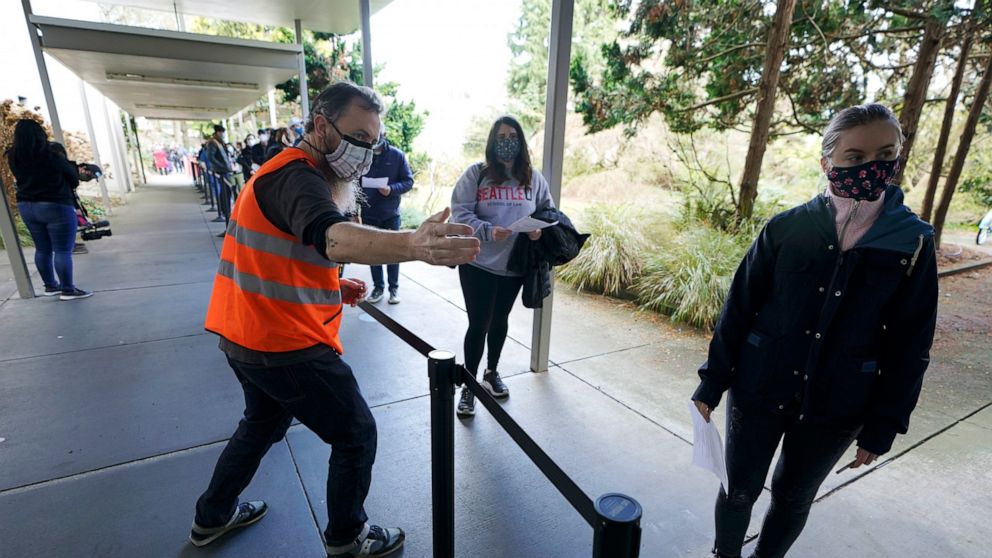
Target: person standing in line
381 207
221 169
825 335
489 197
45 181
277 307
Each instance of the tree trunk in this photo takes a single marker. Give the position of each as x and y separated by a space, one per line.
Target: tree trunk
964 145
778 41
916 90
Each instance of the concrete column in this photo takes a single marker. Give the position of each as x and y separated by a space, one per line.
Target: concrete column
122 149
272 108
366 9
304 94
120 168
12 245
46 85
96 151
559 58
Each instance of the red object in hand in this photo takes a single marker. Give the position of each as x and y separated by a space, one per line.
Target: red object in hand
352 291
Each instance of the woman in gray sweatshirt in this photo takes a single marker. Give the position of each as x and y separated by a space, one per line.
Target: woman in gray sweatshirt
490 197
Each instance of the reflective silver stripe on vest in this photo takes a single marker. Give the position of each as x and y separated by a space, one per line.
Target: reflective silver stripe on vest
278 246
277 291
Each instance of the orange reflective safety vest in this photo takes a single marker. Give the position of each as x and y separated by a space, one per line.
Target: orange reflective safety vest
272 293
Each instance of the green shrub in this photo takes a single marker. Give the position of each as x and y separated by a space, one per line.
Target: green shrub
689 279
411 216
22 233
613 257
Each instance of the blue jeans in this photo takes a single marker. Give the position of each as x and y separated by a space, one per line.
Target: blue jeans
324 396
53 229
392 270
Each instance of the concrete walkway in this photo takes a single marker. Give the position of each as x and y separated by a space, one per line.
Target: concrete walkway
114 409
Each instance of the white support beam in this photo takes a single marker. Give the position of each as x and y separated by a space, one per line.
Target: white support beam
96 151
304 94
120 169
122 148
272 109
367 70
46 84
559 59
12 245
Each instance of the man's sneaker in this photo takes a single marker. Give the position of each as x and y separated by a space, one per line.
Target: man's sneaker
494 384
376 295
52 291
75 294
466 405
374 541
394 298
245 514
80 248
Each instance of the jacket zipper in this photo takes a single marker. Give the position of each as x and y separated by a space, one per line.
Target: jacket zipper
840 241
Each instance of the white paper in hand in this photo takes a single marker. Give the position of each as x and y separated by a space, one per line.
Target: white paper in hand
375 183
707 447
529 224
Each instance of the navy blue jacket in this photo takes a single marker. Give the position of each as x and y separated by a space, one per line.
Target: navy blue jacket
391 164
835 338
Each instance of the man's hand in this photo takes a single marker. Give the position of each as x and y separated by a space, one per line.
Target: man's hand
439 243
534 235
500 234
385 191
704 409
353 291
863 457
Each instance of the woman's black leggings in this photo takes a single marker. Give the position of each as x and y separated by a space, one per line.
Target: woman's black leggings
488 299
809 453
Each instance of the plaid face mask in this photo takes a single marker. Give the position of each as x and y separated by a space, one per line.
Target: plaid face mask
351 159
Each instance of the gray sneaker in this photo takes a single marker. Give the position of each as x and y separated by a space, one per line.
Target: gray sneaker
374 542
244 515
466 405
394 298
494 384
376 296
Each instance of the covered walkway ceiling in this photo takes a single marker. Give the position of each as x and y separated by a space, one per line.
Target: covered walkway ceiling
329 16
167 74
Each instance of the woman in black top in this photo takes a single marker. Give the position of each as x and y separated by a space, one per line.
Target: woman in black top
45 181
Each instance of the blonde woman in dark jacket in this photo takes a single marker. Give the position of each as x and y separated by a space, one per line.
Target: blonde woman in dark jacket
825 334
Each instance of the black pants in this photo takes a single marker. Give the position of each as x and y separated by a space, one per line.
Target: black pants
324 396
488 299
392 270
809 453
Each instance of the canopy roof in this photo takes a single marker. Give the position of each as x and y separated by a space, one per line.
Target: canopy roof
330 16
167 74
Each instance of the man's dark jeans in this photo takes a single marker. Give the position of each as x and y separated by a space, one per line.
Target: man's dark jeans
392 270
325 397
809 452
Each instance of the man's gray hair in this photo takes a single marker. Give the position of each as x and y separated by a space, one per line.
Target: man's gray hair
855 116
335 100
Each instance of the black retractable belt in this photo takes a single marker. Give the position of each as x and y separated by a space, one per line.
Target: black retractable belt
615 518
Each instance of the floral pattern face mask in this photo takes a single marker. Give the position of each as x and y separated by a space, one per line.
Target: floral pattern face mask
865 182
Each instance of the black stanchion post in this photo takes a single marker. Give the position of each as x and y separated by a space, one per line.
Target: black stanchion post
442 370
618 527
